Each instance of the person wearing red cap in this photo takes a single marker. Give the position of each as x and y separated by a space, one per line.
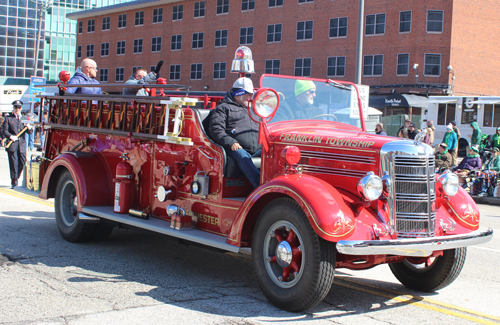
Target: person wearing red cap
17 150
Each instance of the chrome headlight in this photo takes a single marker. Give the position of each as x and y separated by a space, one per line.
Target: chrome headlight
450 183
370 187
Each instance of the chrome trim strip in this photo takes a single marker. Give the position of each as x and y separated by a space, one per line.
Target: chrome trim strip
337 156
333 171
420 247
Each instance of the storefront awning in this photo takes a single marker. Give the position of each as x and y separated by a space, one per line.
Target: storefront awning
443 101
487 101
406 100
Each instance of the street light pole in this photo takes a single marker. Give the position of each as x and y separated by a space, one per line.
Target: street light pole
359 49
43 7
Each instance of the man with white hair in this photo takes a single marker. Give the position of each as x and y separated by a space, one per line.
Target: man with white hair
85 75
301 106
232 128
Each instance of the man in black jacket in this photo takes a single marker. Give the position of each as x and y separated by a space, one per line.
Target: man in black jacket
233 129
17 150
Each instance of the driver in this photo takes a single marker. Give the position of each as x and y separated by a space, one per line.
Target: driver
301 107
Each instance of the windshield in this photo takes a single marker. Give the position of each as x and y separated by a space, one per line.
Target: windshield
313 99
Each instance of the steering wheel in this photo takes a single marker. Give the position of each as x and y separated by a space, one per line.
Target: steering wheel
322 115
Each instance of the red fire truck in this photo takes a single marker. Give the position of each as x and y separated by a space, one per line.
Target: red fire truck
331 195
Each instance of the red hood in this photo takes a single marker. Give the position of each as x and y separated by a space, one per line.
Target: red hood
330 134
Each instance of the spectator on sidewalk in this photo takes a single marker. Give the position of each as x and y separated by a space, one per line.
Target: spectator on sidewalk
379 129
450 138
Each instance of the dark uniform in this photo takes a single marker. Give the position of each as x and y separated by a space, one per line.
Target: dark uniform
17 150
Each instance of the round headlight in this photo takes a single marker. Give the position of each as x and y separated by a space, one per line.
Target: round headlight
265 102
370 187
450 183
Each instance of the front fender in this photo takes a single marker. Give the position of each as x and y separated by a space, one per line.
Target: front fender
92 182
329 215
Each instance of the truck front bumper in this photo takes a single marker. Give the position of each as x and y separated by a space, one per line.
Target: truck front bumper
420 247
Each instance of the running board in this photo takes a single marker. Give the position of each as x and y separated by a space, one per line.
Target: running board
163 227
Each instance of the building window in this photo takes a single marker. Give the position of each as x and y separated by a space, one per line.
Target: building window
80 27
305 1
435 21
303 67
305 30
197 41
246 36
91 26
90 51
199 9
79 52
157 15
196 71
176 43
104 49
432 65
491 115
336 66
273 66
156 44
446 114
138 46
274 33
373 65
220 70
139 18
403 64
247 5
221 38
175 72
222 7
338 27
275 3
120 74
122 21
106 23
405 21
103 75
375 24
177 12
120 48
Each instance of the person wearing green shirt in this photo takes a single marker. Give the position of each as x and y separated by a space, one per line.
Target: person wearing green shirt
476 136
495 140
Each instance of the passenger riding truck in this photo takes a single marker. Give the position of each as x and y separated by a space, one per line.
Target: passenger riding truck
331 195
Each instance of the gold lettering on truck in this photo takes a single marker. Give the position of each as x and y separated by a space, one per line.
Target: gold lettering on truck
332 141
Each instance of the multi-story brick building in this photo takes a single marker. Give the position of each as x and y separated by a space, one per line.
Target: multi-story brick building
409 46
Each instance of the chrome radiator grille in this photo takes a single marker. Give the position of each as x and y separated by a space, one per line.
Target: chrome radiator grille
415 196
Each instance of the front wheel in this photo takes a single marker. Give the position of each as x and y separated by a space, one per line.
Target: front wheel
430 274
294 266
70 226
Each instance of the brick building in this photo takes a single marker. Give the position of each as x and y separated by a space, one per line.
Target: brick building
317 38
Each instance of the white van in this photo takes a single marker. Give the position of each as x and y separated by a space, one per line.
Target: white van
485 110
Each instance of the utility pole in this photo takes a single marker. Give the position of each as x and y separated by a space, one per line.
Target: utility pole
359 49
44 5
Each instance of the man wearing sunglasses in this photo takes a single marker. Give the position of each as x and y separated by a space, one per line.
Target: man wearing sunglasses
85 75
17 150
300 107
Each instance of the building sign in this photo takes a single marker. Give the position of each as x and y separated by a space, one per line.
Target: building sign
469 110
364 96
34 91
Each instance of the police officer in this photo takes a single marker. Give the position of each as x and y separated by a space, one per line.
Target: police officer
17 150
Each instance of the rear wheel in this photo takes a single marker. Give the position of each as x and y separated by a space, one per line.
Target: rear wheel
430 274
294 266
70 226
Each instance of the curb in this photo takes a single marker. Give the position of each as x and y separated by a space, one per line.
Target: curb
486 200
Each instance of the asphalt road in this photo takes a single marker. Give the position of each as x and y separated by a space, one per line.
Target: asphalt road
136 277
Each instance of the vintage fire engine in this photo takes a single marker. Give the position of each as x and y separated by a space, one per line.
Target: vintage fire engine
331 195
